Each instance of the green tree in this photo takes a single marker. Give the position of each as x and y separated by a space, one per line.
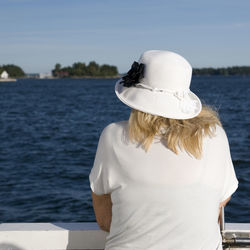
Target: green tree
56 70
93 69
58 67
107 70
79 69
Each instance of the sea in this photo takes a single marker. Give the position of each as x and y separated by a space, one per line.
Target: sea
49 130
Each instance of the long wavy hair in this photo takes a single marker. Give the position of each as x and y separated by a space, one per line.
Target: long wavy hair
178 134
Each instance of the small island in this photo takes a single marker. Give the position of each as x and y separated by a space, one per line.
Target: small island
9 73
81 70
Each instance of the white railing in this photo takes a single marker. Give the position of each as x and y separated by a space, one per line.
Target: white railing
71 236
51 236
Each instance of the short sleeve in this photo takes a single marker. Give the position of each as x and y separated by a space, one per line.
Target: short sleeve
230 182
100 172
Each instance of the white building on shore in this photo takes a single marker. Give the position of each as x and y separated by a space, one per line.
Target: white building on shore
4 75
45 75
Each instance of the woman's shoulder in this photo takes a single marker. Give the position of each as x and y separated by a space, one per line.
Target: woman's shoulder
114 129
219 138
115 126
220 133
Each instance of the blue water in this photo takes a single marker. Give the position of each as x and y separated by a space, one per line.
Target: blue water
49 131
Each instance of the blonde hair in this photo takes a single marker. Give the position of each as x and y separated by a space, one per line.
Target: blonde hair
183 134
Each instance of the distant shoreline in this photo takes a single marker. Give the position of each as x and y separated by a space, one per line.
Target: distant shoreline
73 77
92 77
8 80
234 70
105 77
96 71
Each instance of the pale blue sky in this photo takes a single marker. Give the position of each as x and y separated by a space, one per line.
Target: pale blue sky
36 34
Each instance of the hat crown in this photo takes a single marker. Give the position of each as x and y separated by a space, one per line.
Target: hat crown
166 70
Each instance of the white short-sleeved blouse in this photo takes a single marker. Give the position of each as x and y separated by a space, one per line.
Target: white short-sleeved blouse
161 200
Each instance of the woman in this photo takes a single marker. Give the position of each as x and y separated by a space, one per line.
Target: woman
159 180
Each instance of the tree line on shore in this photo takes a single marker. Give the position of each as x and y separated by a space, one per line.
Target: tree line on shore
95 70
235 70
80 69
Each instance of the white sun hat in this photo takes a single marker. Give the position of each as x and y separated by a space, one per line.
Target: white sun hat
158 84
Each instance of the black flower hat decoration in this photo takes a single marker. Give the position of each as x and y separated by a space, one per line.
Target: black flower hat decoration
134 75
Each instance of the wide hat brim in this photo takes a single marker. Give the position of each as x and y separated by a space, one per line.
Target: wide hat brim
164 104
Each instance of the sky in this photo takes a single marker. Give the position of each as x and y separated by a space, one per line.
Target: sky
37 34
